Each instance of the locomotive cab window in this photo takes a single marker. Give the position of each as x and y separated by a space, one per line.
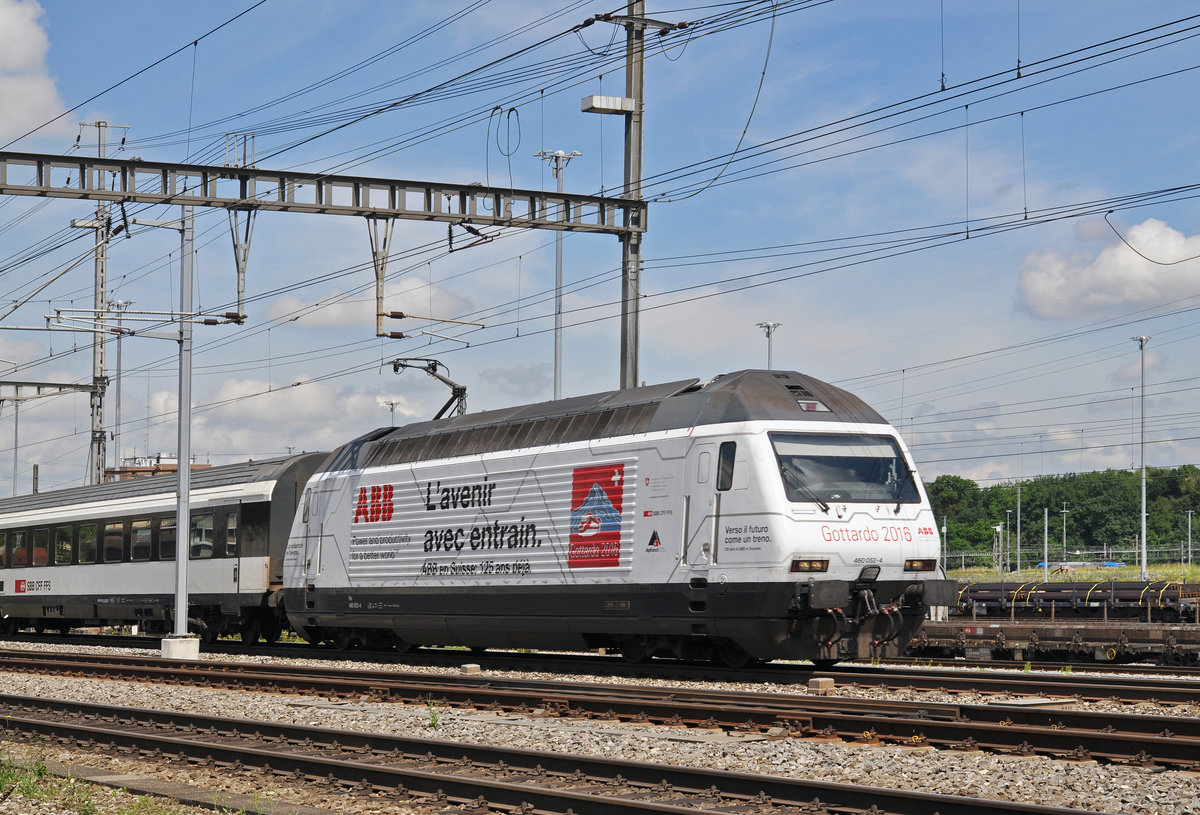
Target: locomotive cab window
817 468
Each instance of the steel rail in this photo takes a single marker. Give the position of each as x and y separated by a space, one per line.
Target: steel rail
427 768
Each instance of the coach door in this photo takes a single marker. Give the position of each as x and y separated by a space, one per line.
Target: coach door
699 507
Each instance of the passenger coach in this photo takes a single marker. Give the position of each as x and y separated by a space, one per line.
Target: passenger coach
105 554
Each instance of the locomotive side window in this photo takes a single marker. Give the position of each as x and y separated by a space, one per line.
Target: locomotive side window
819 468
114 542
725 458
20 548
64 545
87 543
141 540
166 538
3 550
201 540
231 531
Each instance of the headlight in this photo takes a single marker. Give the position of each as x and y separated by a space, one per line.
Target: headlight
802 565
925 565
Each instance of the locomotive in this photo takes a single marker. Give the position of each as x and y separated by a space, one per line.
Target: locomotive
760 515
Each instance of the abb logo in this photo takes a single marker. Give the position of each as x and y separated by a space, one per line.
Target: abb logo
374 504
926 530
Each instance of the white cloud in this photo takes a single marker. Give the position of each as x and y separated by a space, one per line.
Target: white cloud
1058 286
1131 372
28 96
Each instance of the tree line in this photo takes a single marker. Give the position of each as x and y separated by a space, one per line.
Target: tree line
1102 513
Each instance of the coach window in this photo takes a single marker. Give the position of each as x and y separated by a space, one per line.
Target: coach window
166 538
20 548
725 456
41 547
141 540
231 531
3 550
201 542
114 542
87 543
64 545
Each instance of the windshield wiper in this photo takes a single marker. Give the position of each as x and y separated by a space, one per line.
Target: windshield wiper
911 477
800 486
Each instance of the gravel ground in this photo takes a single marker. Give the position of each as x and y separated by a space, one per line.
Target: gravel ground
1080 785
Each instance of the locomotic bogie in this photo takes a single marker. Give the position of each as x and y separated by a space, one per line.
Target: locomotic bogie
761 515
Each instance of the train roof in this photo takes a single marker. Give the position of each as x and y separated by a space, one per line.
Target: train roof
751 395
225 475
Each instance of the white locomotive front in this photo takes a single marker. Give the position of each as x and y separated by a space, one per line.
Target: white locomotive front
762 515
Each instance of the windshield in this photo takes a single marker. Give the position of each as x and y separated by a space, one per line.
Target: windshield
818 468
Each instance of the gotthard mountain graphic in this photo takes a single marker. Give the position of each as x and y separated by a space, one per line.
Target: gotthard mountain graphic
596 514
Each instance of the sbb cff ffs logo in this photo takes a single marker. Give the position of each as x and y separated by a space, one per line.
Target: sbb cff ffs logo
374 504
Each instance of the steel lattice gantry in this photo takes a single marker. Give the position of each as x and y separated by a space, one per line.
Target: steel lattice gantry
248 188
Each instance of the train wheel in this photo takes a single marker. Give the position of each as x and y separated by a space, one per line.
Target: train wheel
635 652
272 630
824 664
250 630
400 646
732 655
64 629
344 640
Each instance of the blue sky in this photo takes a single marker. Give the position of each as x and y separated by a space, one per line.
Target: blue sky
941 252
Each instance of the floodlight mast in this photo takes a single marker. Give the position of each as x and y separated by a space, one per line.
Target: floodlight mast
1141 341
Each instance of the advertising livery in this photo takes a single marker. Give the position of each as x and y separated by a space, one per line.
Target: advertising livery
502 524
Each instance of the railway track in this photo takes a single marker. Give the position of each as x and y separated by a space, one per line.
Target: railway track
437 774
1127 688
1016 729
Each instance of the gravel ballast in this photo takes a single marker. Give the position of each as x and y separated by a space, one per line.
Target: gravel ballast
1081 785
